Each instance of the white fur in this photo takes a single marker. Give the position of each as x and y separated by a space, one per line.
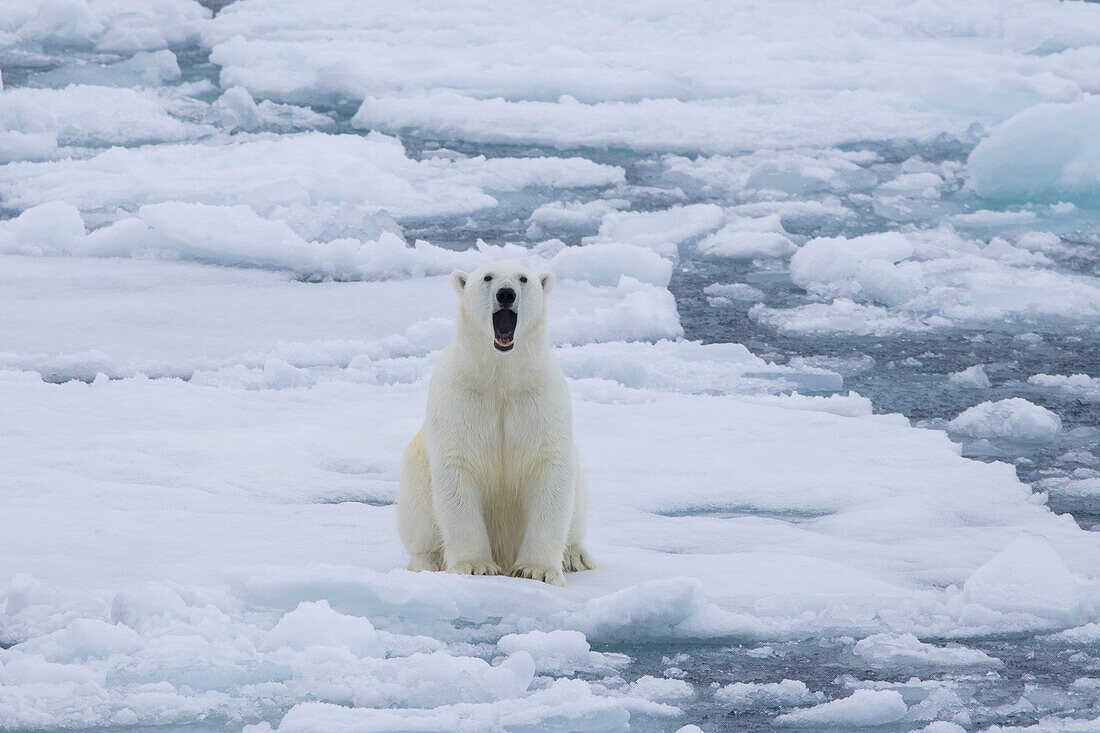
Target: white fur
491 484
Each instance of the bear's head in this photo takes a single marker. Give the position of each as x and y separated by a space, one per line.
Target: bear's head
502 304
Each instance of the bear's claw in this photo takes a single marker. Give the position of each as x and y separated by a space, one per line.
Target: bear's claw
476 567
577 558
553 576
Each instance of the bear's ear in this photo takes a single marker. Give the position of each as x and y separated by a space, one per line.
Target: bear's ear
458 279
547 280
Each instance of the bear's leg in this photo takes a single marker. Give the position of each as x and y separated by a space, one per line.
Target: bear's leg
415 520
549 504
457 504
577 556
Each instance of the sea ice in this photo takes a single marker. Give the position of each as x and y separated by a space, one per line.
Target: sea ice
717 292
972 377
223 289
660 231
316 624
1010 419
727 88
1044 153
907 651
303 179
861 709
1028 576
106 25
1080 386
570 216
559 652
748 238
46 119
895 282
750 695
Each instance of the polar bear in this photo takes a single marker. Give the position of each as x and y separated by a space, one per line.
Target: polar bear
491 484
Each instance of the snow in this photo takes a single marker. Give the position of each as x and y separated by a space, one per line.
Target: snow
245 467
748 238
842 315
50 119
589 78
1027 576
681 366
223 288
719 293
750 695
1010 419
106 25
660 231
606 264
1087 634
566 704
907 651
346 179
1073 490
1080 386
238 325
711 125
559 652
909 282
1051 724
235 109
972 377
861 709
660 689
570 215
942 726
143 69
237 236
316 624
1044 153
853 265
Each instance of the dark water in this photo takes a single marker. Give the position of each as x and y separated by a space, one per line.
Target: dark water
1036 681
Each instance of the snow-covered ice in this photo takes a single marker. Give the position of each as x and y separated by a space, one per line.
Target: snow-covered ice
297 178
1081 386
1011 419
907 651
38 124
225 231
742 695
105 25
889 282
723 83
973 376
1046 152
863 708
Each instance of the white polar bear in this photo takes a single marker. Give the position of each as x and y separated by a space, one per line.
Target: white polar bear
491 483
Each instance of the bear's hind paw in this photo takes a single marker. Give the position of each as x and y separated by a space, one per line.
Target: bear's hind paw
577 558
553 576
475 567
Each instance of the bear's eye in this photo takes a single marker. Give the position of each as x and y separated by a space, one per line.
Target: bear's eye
488 278
523 278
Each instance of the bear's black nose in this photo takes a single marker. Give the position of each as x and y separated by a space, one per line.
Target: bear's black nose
506 296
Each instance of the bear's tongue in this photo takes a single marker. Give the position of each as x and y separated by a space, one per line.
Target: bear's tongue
504 327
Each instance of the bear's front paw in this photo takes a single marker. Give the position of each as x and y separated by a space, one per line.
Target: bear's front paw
421 561
577 558
475 567
553 576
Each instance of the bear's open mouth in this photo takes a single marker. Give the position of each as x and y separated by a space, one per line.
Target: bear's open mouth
504 329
